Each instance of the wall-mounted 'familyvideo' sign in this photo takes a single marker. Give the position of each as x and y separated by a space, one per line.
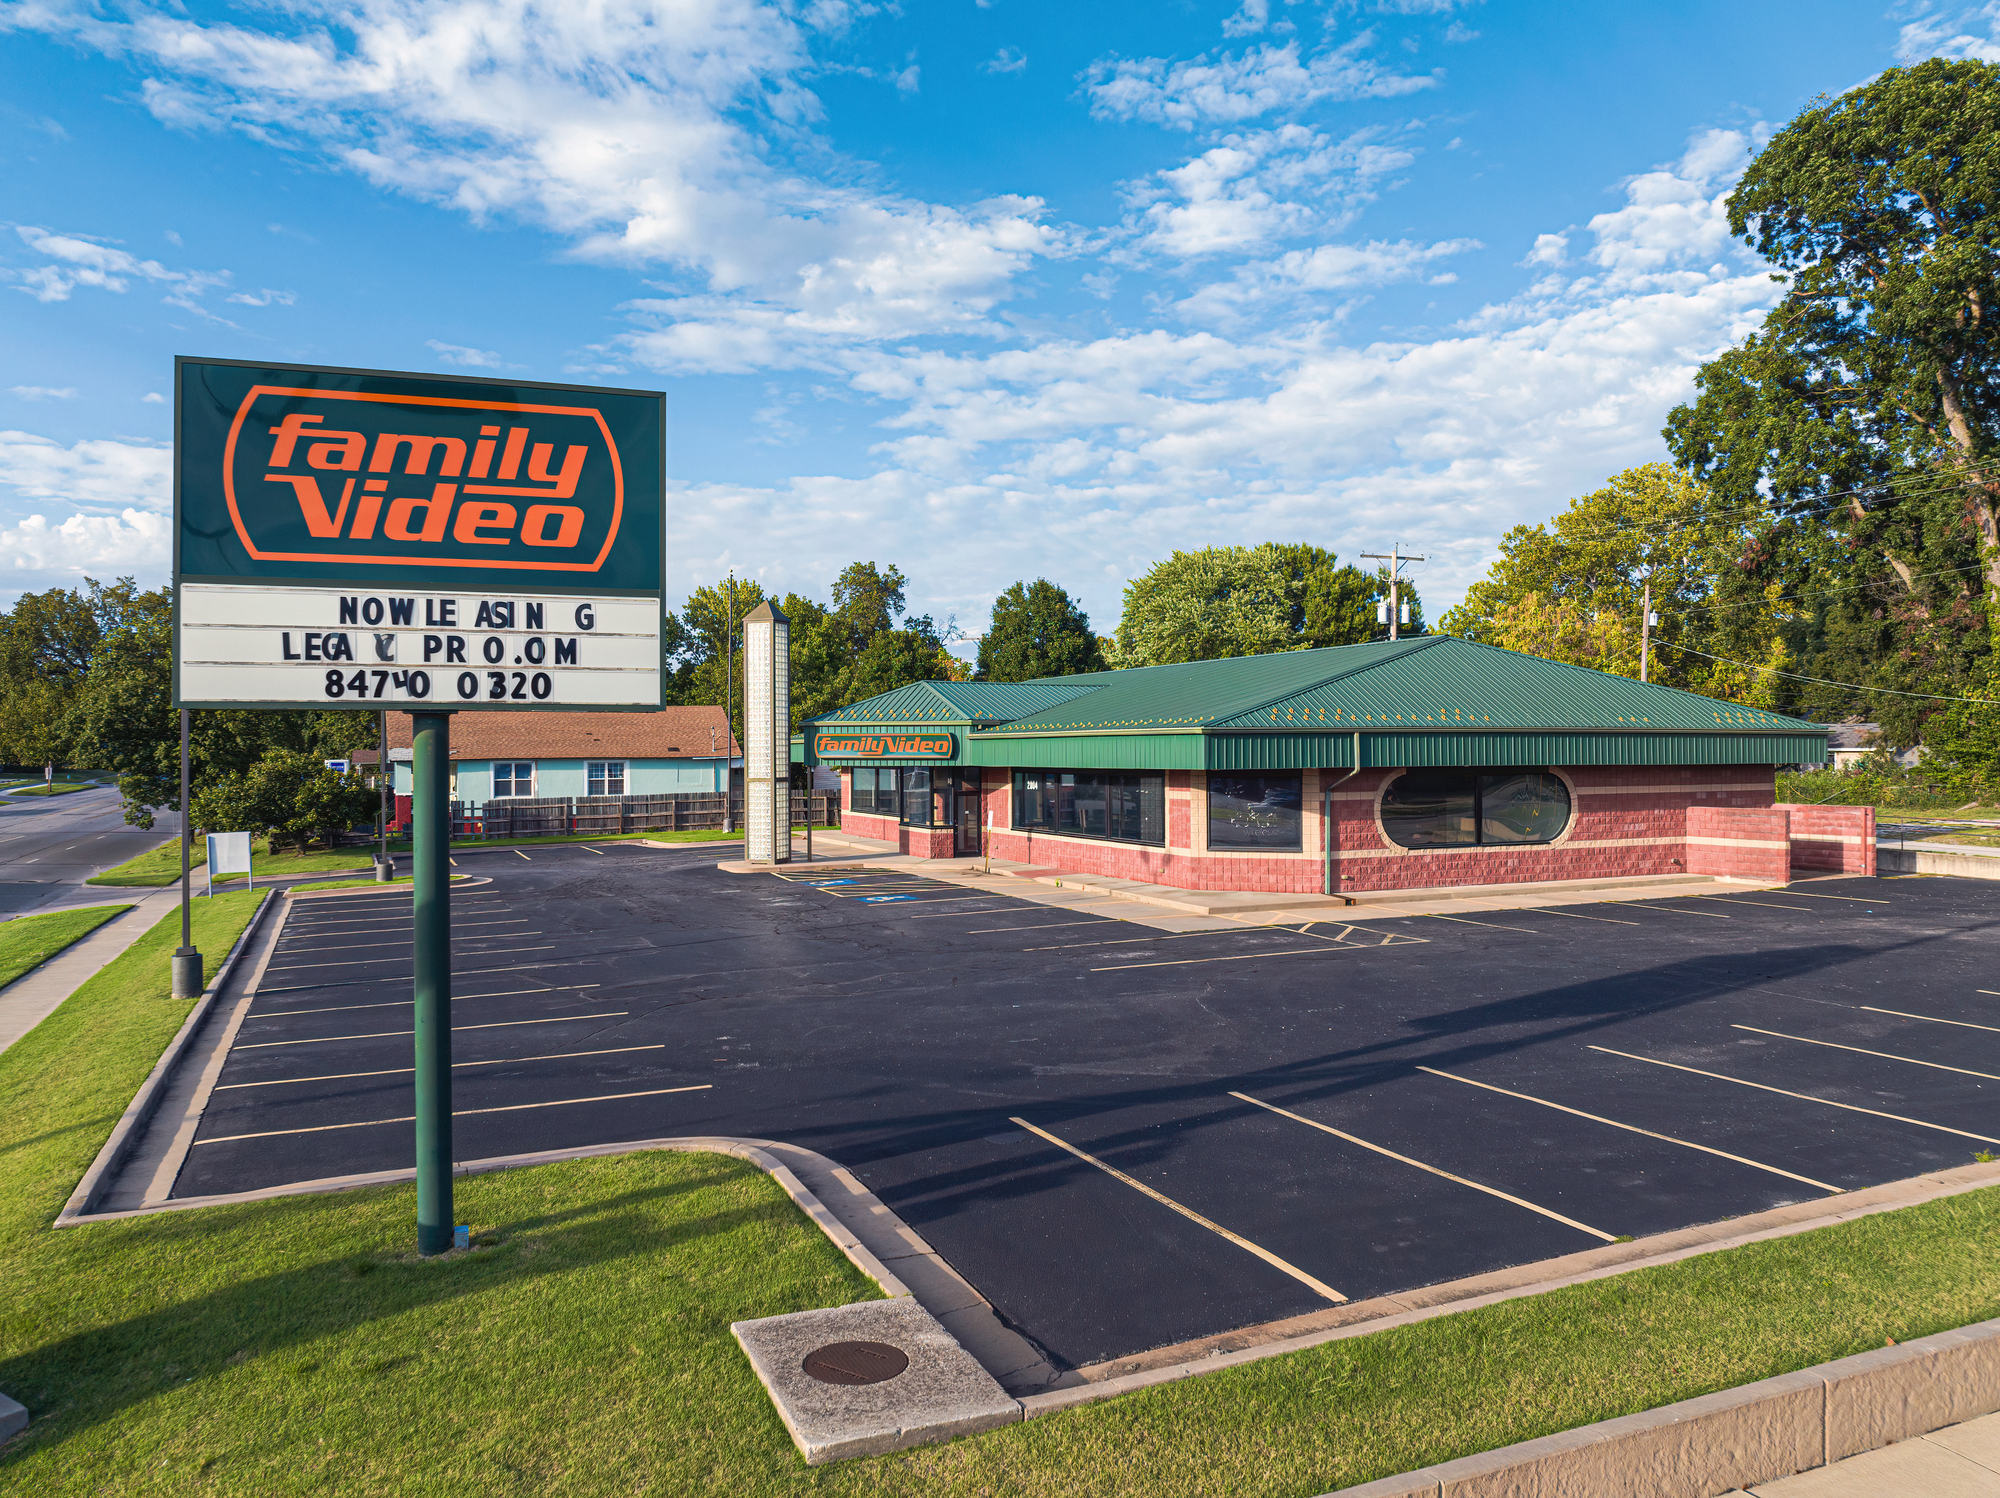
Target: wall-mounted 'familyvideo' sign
832 744
350 538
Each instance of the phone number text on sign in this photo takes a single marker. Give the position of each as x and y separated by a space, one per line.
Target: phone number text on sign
326 647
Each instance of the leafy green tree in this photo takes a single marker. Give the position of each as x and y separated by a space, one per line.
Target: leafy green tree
1227 601
1037 630
1865 407
866 602
1572 589
288 796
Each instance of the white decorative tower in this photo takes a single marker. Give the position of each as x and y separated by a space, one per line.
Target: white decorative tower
767 736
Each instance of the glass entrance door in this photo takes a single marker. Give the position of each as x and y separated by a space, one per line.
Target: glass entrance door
969 801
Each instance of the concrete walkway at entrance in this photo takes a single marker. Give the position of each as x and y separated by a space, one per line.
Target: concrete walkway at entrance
1960 1461
1216 908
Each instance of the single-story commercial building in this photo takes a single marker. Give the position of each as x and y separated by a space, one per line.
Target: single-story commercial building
528 756
1399 765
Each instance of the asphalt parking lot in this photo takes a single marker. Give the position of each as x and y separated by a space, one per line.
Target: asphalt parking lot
1128 1137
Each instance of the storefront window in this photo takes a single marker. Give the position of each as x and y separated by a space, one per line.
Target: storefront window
1474 808
916 797
875 791
1253 812
1121 806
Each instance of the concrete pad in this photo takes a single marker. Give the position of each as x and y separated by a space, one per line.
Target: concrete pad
1909 1468
1975 1440
943 1393
13 1418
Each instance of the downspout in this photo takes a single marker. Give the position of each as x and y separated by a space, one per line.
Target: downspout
1326 816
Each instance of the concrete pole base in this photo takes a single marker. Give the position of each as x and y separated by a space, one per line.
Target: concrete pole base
187 973
385 870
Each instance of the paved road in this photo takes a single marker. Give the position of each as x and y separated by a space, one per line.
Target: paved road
49 846
1370 1109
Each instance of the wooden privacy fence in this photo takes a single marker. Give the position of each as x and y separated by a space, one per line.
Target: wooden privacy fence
604 816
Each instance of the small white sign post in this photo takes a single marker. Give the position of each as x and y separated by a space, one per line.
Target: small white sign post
229 853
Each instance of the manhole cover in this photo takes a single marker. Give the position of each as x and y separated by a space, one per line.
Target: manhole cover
856 1362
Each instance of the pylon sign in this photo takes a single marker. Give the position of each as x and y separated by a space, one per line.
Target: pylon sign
367 539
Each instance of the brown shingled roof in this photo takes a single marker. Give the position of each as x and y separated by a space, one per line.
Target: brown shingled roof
670 733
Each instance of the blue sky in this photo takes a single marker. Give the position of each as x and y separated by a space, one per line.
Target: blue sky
989 289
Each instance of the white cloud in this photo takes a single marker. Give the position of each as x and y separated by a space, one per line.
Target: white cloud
131 543
454 353
1251 17
102 477
1324 268
153 398
1549 249
1952 34
44 392
79 260
650 136
1229 88
1006 60
1258 186
264 298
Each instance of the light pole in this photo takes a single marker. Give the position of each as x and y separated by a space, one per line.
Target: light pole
187 961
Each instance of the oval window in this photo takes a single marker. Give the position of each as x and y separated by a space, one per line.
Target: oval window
1474 808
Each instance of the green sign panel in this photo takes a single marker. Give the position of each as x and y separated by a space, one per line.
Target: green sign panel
359 538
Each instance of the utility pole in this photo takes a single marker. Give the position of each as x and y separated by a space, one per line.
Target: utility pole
1395 558
1645 626
187 960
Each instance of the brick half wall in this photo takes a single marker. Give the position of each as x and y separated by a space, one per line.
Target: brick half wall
1735 843
1836 838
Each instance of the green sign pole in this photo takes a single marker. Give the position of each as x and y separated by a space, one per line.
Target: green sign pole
430 812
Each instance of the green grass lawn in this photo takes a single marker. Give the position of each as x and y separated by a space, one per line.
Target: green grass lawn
31 940
296 1346
59 788
162 865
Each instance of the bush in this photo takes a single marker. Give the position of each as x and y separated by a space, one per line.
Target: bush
291 798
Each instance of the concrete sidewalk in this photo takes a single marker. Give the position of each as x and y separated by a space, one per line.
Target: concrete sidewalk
1960 1461
33 996
1228 907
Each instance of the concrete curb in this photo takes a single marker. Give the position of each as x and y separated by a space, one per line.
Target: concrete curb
140 1111
1932 860
1737 1437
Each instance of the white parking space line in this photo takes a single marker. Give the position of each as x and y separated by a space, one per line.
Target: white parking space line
1238 957
1493 925
1320 1286
1044 926
1805 1097
1670 909
457 998
369 1123
1311 1123
598 851
299 967
1963 1024
1635 1129
1767 904
954 915
519 854
519 967
371 946
1864 1051
1806 894
507 1024
397 1071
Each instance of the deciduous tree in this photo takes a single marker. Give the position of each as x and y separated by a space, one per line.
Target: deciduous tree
1037 630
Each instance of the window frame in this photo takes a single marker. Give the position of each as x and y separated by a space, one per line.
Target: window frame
1296 845
493 780
1123 797
599 771
1478 775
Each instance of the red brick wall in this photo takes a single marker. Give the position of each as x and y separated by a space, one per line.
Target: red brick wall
1625 821
1840 838
1740 844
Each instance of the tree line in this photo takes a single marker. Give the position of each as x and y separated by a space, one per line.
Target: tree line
1826 541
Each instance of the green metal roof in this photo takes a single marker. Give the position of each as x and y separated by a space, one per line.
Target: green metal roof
966 701
1442 700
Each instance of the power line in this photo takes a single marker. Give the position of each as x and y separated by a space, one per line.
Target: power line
1852 686
1714 608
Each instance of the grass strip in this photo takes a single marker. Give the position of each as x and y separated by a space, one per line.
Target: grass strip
295 1346
161 866
59 788
29 941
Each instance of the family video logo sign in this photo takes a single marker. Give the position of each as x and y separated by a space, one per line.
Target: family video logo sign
317 475
833 745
